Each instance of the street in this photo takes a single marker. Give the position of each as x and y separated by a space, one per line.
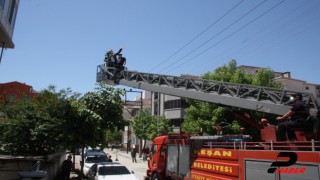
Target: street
138 168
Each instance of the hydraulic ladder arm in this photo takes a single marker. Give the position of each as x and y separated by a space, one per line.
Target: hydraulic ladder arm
257 98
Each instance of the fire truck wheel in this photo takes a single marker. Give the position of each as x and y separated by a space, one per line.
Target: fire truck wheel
155 176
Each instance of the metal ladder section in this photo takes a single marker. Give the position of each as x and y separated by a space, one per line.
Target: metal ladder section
257 98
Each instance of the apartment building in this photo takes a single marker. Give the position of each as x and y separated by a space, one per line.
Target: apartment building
172 107
12 91
8 14
132 107
290 84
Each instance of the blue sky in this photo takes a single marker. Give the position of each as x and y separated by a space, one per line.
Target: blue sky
61 42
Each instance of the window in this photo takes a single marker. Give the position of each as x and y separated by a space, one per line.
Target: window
307 87
176 122
6 8
154 149
12 97
26 97
156 108
179 103
163 150
113 170
13 13
1 4
156 95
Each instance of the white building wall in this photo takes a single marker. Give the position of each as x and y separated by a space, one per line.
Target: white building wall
174 113
301 86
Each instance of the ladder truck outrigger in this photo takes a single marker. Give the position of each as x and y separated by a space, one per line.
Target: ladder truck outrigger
222 157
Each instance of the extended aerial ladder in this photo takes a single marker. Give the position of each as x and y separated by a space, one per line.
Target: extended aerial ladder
257 98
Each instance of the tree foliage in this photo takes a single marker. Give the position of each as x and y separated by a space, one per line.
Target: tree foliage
60 120
113 136
35 127
147 126
203 115
95 113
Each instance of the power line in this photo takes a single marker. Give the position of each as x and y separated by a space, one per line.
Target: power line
280 41
233 23
255 34
261 15
197 36
282 27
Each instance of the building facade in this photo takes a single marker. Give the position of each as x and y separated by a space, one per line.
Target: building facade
13 91
132 108
172 107
8 14
288 82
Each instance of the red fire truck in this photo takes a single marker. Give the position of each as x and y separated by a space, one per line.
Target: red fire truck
222 157
231 157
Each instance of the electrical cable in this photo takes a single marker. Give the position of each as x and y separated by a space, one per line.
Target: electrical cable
233 23
263 36
233 33
197 36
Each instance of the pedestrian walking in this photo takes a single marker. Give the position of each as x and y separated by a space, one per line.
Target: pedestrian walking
133 155
66 168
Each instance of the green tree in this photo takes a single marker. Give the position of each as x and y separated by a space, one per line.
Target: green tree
159 125
34 127
147 127
113 136
203 115
95 113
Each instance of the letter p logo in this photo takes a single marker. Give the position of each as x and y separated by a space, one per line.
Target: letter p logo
292 159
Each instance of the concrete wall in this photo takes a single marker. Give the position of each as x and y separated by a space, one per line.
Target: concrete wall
10 167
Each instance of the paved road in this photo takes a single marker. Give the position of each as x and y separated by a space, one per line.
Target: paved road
138 168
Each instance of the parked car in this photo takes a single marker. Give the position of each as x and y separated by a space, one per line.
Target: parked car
91 157
110 170
94 152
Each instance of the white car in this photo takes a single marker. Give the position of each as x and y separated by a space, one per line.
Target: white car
92 158
110 170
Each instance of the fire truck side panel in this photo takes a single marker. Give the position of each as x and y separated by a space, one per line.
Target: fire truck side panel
256 168
255 164
178 157
184 161
172 159
201 175
214 163
311 172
